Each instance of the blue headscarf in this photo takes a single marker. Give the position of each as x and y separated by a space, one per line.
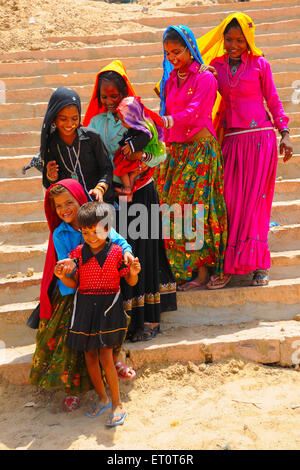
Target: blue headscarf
190 40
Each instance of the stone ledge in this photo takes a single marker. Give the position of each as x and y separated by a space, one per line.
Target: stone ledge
260 342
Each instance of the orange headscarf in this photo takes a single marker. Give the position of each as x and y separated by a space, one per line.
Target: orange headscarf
94 106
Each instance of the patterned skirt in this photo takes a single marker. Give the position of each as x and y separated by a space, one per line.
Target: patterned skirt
195 231
54 365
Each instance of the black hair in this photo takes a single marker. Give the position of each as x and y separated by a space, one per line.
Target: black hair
93 213
233 24
173 35
114 77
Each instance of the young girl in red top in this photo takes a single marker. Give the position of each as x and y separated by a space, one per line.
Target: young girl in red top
98 322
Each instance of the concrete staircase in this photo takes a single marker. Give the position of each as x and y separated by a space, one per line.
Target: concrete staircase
30 78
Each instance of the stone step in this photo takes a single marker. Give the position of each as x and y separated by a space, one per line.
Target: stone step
22 69
284 238
258 341
286 212
214 18
263 34
24 233
18 259
285 265
145 90
35 124
287 190
225 7
290 169
132 50
17 151
21 189
21 211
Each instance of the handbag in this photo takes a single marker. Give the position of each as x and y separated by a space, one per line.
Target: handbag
34 319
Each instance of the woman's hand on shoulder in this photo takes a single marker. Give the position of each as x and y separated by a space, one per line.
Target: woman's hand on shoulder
285 147
210 68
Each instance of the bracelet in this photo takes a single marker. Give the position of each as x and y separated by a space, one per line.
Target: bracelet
99 186
284 130
168 122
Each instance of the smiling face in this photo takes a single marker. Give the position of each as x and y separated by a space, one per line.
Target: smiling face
110 96
66 208
235 42
95 236
67 120
178 55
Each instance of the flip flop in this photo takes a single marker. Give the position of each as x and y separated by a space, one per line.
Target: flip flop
194 286
260 278
125 372
119 421
223 282
101 410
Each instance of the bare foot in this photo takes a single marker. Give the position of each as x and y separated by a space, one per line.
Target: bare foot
99 408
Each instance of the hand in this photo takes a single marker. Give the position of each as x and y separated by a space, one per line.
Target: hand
68 264
135 267
126 150
286 147
128 258
59 271
97 193
210 68
52 171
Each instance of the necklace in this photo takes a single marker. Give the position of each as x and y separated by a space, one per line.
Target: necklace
77 155
235 66
243 71
182 76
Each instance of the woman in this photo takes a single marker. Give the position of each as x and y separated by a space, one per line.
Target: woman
249 146
156 291
69 150
192 174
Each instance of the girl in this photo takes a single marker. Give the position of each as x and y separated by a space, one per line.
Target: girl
69 150
249 146
155 291
144 134
54 365
99 322
192 174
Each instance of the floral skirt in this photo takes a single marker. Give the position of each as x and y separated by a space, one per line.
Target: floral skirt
195 231
54 365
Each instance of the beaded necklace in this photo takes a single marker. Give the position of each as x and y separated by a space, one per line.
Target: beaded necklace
232 85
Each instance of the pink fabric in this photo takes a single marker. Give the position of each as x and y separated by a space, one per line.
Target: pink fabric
250 162
244 100
190 104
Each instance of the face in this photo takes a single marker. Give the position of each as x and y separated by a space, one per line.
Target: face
66 208
67 121
235 43
178 55
94 236
110 96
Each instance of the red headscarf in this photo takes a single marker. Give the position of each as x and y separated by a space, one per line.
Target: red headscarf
54 221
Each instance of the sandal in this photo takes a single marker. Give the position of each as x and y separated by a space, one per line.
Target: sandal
216 282
146 335
125 372
260 278
191 285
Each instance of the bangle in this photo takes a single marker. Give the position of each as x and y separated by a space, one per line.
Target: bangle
99 186
284 130
168 122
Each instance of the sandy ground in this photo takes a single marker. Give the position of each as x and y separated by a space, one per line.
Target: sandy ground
233 404
27 25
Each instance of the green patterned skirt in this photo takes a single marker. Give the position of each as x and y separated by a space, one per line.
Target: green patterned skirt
191 178
54 365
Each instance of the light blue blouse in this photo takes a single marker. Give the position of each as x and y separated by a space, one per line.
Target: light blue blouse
65 239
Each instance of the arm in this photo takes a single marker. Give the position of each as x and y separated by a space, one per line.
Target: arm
134 269
105 166
61 271
119 240
276 109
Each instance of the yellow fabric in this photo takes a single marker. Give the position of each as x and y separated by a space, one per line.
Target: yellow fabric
211 45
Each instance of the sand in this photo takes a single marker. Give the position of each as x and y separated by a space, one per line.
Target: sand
227 405
28 25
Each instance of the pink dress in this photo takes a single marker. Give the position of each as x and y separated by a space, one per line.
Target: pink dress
250 159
